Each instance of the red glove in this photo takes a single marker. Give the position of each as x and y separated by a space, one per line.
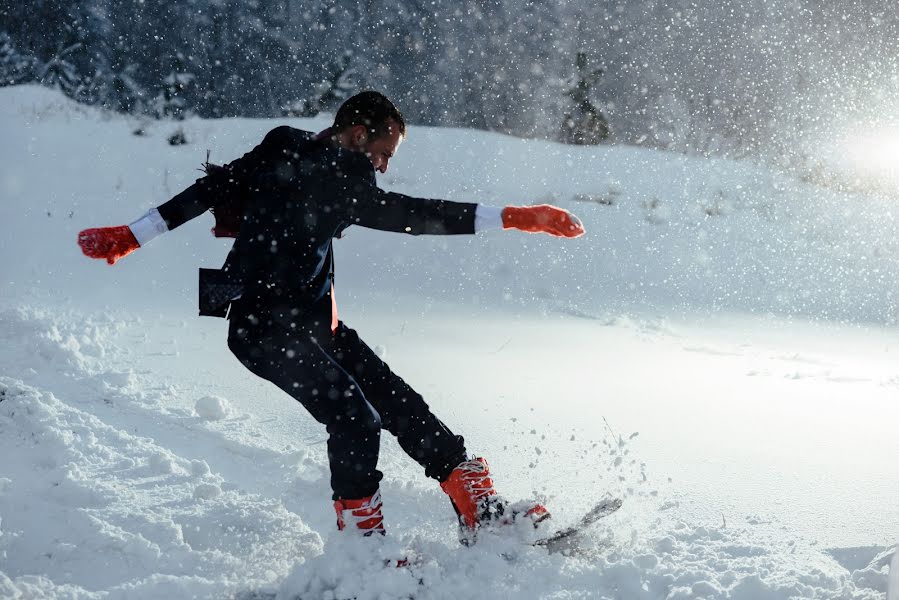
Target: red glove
111 243
543 218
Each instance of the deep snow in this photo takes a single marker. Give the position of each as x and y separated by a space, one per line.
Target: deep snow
719 350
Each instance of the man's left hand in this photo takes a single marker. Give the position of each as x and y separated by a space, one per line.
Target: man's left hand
543 218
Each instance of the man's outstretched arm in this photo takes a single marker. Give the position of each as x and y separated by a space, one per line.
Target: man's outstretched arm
114 243
369 206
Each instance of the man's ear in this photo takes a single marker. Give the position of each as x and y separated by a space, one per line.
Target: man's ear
359 135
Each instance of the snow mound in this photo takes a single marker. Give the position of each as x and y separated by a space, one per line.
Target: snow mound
52 344
100 478
678 562
213 408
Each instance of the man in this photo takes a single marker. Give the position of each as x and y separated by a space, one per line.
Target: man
285 201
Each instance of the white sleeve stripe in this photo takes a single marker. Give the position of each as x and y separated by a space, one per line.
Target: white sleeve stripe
148 227
488 217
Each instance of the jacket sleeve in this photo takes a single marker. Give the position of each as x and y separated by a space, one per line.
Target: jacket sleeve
190 203
361 202
206 192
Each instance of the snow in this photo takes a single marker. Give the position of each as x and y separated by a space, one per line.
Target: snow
893 593
213 408
719 351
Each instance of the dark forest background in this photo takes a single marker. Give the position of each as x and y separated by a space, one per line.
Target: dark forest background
725 77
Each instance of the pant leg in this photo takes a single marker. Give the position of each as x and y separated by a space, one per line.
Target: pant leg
299 365
403 411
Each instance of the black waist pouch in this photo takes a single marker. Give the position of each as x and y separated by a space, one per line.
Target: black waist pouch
217 289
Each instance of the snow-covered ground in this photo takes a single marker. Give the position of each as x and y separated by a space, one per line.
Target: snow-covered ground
719 350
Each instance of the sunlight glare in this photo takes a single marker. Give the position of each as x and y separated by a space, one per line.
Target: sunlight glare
874 155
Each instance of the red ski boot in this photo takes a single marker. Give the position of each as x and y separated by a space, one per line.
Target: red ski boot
362 516
477 504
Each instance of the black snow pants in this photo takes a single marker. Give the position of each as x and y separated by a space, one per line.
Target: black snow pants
348 388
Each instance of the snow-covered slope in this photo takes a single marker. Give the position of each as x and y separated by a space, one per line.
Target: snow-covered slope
690 354
666 231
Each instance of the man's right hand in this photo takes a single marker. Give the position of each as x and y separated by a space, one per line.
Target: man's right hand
543 218
111 243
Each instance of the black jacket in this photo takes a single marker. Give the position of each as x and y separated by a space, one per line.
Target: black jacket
300 194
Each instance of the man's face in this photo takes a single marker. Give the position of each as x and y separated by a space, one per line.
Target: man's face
382 149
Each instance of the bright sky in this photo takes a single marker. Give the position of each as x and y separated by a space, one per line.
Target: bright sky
875 154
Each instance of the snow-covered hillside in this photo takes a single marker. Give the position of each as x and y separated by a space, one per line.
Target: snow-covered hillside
719 350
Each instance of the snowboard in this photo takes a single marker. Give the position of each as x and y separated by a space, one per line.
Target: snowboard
565 540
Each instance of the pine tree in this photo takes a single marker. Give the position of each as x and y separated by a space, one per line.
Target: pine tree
60 72
585 124
171 102
330 92
14 66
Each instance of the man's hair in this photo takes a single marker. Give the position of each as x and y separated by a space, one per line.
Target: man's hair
372 109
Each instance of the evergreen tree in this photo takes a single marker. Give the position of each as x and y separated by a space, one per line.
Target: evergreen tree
60 72
338 85
585 124
172 99
14 66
